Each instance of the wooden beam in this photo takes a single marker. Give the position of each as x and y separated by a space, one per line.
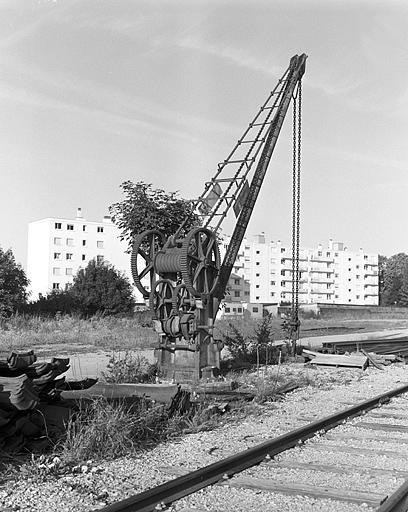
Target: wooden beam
338 468
356 450
293 489
380 426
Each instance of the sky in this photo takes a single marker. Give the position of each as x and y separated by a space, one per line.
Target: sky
96 92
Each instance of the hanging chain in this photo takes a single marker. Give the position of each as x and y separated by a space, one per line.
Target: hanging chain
294 202
297 139
299 146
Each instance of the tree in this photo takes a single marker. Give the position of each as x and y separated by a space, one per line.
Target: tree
100 289
146 208
56 301
13 284
395 288
263 337
382 267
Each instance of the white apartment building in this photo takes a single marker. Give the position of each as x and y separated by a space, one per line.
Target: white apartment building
331 275
58 248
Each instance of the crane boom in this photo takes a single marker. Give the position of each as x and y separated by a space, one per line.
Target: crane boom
296 71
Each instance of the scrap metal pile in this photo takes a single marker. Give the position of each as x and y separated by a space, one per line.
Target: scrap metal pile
31 409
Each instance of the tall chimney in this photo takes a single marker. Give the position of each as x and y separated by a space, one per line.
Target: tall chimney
79 213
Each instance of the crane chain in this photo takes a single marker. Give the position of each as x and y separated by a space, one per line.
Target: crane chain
297 139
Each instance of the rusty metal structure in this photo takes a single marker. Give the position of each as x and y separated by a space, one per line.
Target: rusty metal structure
183 276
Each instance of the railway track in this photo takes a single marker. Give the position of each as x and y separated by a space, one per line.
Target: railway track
366 447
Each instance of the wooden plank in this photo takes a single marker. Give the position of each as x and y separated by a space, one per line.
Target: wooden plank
174 470
293 489
386 414
338 468
340 360
366 435
162 393
380 426
356 450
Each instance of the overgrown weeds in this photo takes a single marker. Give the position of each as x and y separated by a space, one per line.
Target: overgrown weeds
130 368
22 332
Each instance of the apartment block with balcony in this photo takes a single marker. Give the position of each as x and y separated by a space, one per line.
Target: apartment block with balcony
58 248
330 275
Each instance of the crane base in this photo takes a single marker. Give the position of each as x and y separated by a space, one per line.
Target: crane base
181 362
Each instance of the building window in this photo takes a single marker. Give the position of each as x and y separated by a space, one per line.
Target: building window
99 259
257 252
227 310
328 285
320 253
57 255
70 242
68 271
99 229
83 257
365 257
336 254
327 296
56 271
357 266
336 275
357 277
282 249
257 275
273 283
84 242
57 225
57 241
55 286
328 254
282 272
70 227
257 298
237 293
327 275
257 286
246 293
236 281
68 256
239 310
357 296
272 294
336 296
84 227
99 244
255 310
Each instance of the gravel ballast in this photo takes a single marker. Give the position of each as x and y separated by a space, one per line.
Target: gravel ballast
101 483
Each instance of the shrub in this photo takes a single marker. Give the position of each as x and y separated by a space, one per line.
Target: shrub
131 369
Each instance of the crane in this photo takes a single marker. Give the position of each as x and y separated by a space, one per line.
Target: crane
182 275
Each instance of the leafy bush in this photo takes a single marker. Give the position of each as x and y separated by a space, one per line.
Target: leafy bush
98 289
131 369
13 284
251 347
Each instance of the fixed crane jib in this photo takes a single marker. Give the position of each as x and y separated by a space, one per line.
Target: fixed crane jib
183 276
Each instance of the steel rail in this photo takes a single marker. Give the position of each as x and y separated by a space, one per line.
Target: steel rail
164 494
398 501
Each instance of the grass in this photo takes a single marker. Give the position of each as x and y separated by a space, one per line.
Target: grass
70 333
